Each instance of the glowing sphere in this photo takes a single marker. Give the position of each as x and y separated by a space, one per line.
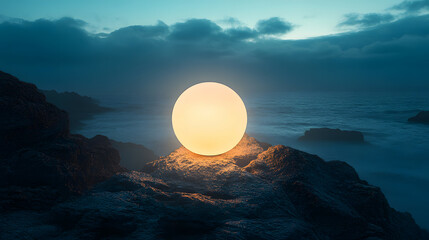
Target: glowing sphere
209 118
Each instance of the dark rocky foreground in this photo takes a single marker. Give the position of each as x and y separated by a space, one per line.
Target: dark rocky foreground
332 135
282 194
421 117
40 161
254 191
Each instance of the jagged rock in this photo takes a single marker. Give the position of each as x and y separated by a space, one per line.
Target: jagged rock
213 175
333 135
133 156
246 150
281 194
71 164
421 117
331 197
38 156
26 118
182 163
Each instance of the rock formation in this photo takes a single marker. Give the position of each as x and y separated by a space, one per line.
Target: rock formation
282 193
37 152
26 118
133 156
331 197
332 135
421 117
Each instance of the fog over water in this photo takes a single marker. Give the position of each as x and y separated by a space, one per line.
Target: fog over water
395 156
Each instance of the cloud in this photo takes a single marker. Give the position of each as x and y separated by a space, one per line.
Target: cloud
156 60
242 33
4 18
43 41
132 32
195 29
232 22
366 20
412 6
273 26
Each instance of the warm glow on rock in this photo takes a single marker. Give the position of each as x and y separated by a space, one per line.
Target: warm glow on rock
209 118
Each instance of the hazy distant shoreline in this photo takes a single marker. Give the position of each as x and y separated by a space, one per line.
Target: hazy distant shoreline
78 107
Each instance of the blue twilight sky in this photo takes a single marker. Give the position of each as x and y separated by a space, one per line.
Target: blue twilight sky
310 17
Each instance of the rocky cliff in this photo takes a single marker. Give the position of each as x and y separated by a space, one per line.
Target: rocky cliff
39 155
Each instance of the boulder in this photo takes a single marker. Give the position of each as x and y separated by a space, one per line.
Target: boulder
421 117
332 135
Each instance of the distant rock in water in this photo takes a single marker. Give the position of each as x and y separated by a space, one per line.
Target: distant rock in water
133 156
421 117
332 135
39 155
78 107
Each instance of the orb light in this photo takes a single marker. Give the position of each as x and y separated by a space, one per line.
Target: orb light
209 118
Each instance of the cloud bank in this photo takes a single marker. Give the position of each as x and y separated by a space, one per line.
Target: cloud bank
273 26
161 58
366 20
412 6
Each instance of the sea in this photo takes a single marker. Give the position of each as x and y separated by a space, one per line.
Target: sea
394 157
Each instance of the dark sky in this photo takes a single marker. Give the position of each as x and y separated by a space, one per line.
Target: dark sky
381 51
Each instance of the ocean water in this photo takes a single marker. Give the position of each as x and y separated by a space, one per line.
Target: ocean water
395 156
